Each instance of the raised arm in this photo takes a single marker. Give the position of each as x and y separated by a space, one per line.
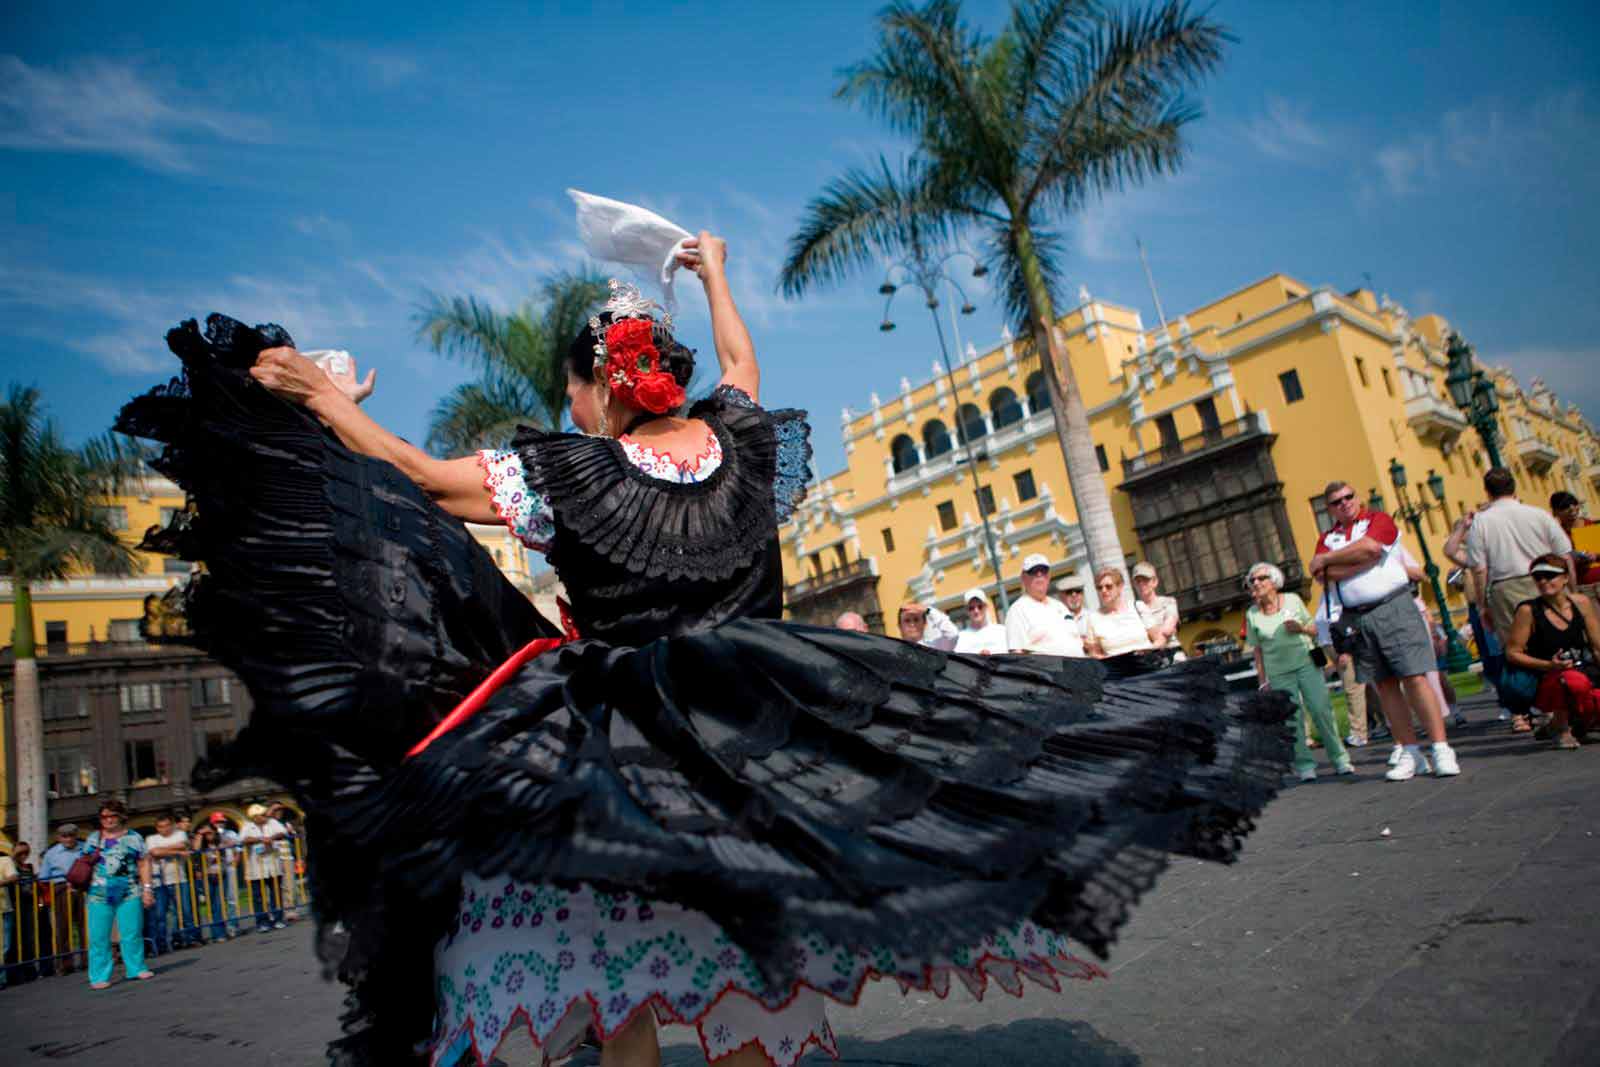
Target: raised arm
707 256
456 485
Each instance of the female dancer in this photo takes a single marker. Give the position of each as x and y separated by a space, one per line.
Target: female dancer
688 810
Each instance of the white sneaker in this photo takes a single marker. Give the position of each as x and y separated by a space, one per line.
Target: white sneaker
1420 755
1444 760
1352 741
1402 767
1309 774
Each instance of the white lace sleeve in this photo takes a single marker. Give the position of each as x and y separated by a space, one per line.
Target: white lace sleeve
525 512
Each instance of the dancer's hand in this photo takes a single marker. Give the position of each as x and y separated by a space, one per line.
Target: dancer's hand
286 373
706 255
344 379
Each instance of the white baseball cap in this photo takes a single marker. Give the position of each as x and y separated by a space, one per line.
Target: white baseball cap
974 594
1144 570
1035 560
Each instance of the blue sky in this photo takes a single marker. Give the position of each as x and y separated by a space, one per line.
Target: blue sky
325 168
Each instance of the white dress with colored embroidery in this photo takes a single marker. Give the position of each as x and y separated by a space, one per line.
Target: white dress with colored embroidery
561 962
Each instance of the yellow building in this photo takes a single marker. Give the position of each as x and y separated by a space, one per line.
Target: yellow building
1217 434
94 607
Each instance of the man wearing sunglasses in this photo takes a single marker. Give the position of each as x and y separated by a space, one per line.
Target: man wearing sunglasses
1360 564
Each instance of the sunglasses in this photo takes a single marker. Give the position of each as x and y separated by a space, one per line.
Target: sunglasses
1548 576
1259 578
1336 501
1036 571
1106 585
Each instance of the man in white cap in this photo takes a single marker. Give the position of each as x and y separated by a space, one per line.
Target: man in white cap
1071 589
983 635
1158 613
1037 622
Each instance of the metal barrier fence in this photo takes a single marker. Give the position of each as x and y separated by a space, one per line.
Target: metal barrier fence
218 893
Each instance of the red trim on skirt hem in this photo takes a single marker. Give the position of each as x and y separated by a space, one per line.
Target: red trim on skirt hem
1079 969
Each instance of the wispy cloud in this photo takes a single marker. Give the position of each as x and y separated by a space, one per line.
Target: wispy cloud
321 227
129 321
1284 130
1485 137
111 108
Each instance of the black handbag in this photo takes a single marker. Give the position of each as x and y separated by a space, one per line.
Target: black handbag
1342 630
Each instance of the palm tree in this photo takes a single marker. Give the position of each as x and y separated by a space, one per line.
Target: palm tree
519 356
50 527
1012 135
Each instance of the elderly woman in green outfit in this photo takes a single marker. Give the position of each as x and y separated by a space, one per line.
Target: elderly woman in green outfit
1279 630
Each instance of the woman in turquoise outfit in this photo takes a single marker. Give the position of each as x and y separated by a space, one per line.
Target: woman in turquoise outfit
119 854
1279 629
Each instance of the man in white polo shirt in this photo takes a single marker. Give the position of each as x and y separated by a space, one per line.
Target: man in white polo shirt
1360 562
1037 622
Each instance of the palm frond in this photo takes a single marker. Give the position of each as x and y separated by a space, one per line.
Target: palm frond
863 215
1113 156
464 327
1127 68
907 81
476 415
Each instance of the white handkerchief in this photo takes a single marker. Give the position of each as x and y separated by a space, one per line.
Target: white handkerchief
626 233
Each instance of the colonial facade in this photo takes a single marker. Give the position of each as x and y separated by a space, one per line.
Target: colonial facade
1216 435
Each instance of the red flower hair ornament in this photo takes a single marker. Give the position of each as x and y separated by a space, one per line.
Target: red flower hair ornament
627 355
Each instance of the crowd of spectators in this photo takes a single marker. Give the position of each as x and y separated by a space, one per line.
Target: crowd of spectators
1372 635
144 895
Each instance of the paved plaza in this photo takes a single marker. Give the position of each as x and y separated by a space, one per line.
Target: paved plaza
1466 935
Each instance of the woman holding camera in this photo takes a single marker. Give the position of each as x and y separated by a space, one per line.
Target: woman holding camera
1555 635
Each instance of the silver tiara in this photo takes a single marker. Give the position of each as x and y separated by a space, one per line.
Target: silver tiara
627 302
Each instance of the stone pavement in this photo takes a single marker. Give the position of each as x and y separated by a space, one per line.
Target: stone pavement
1467 935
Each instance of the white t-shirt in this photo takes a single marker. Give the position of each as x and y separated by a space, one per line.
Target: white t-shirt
260 859
1042 626
1119 631
1507 535
169 869
990 639
1165 610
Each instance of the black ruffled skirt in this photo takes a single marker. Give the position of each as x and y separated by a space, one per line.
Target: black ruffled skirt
781 778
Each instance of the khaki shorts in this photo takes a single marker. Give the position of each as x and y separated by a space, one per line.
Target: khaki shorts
1504 596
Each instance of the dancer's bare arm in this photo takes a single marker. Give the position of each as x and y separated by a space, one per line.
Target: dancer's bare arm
707 256
454 484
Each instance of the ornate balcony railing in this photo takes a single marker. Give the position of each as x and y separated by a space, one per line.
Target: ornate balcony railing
1253 424
828 580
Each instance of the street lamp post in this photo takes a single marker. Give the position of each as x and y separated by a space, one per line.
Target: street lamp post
1473 392
924 274
1456 657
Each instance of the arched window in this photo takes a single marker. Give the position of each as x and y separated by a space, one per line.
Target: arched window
1003 407
1038 392
935 439
904 451
972 422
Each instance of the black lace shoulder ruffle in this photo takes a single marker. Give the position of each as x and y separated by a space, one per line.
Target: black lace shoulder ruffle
693 531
